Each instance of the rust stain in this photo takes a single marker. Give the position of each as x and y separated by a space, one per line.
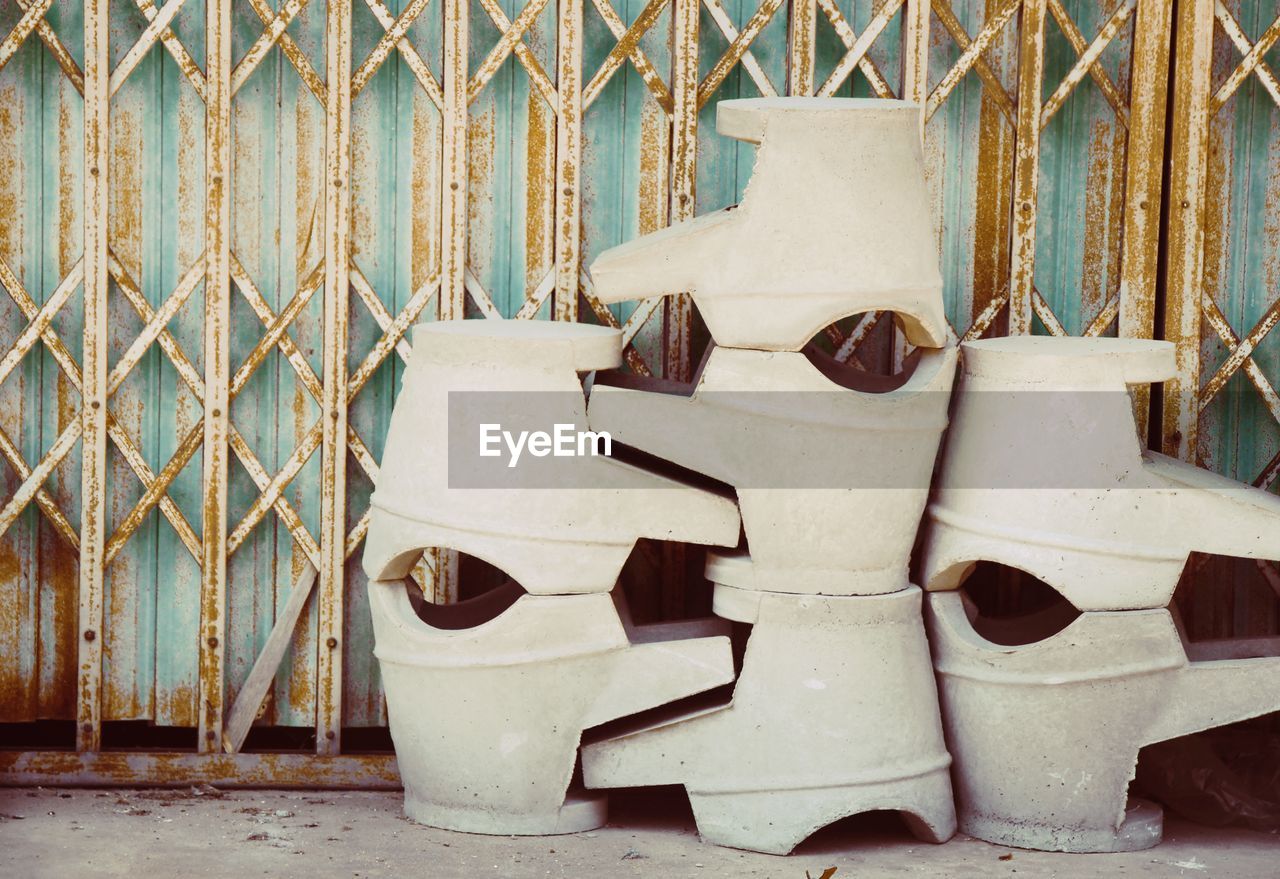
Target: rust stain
118 636
11 173
540 181
62 768
425 191
177 705
124 220
302 693
307 241
56 656
1115 138
10 565
1095 251
69 182
363 189
991 230
301 417
1217 207
190 183
655 143
16 689
479 173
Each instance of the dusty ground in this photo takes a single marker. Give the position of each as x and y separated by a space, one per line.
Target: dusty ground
145 834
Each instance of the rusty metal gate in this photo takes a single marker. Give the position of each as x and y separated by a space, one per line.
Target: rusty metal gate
219 219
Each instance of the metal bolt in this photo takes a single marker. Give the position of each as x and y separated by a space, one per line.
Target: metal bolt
1185 203
568 190
453 185
330 735
93 172
1026 207
213 642
86 728
210 735
95 405
90 634
333 413
1142 205
216 413
337 182
332 642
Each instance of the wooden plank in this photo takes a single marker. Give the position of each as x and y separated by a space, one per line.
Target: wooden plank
568 159
1026 173
1185 262
94 382
333 482
176 769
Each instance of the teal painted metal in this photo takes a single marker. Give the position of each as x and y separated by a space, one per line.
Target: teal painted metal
1238 436
1082 176
278 145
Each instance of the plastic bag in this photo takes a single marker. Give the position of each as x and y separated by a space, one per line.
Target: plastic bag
1221 777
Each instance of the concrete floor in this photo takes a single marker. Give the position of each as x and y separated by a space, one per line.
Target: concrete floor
205 832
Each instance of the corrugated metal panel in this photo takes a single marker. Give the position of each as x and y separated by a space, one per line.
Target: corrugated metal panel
1224 279
494 148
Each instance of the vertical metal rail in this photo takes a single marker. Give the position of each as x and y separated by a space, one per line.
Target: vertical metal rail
684 172
915 87
915 53
1144 160
568 155
804 19
452 299
1026 168
333 462
1184 276
217 368
94 383
453 176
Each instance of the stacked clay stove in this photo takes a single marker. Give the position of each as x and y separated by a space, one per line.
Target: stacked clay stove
834 711
824 473
1044 471
488 698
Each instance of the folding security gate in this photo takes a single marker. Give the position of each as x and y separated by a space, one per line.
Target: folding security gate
219 219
